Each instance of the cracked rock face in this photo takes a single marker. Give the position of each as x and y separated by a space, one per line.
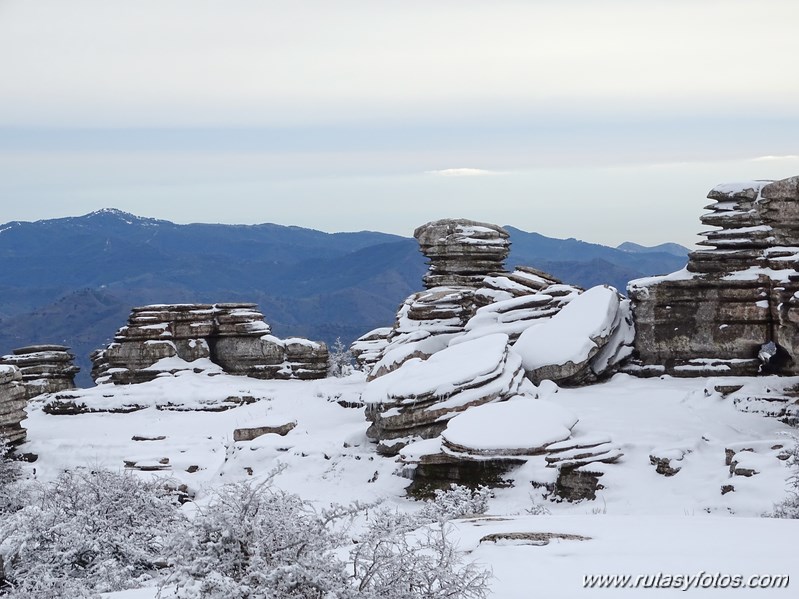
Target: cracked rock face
736 295
233 337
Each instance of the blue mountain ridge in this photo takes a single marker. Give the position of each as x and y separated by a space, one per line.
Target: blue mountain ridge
73 280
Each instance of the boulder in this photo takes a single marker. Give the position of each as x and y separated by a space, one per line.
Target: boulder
581 342
367 349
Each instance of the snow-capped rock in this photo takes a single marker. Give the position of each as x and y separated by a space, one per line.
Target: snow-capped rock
737 294
44 368
417 399
590 334
167 338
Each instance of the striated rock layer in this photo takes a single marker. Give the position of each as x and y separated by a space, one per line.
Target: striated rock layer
233 337
461 251
734 309
13 397
43 368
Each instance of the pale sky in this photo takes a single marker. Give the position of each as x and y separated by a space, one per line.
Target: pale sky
605 120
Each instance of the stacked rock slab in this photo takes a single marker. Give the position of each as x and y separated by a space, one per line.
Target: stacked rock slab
13 397
736 296
44 368
486 442
417 400
367 349
167 338
461 251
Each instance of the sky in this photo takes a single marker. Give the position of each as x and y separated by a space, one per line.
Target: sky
604 120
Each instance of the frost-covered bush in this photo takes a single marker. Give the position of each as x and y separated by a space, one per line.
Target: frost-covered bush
789 508
456 502
339 361
401 558
257 542
88 531
13 489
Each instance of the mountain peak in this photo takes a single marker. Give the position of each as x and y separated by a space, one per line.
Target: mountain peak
115 214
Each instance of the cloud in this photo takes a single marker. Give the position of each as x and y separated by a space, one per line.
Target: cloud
465 172
773 158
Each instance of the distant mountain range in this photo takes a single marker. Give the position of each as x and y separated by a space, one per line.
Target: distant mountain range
74 280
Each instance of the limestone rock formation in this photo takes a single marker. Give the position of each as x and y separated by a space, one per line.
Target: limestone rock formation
233 337
13 397
736 296
461 254
44 368
449 348
467 290
461 251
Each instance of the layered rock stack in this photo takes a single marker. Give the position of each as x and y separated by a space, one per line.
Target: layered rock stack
461 251
44 368
478 332
233 337
734 309
13 397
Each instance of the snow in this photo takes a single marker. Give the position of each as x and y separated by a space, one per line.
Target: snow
512 425
755 272
640 523
442 373
734 188
680 275
568 336
176 363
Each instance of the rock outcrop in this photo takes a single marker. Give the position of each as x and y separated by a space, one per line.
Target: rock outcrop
734 309
44 368
464 340
13 397
230 337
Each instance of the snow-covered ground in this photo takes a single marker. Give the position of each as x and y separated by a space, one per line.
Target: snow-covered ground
641 523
